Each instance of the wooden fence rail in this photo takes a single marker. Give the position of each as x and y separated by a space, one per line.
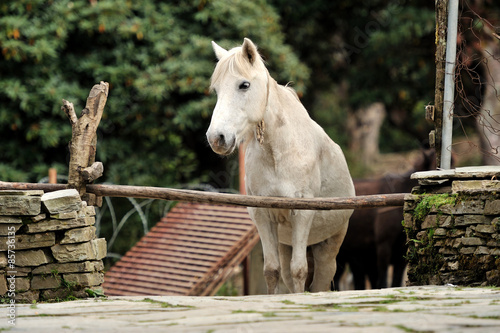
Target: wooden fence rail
365 201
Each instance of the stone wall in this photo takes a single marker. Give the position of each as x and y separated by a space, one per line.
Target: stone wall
48 246
453 231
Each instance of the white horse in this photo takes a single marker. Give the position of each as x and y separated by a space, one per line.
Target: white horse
287 155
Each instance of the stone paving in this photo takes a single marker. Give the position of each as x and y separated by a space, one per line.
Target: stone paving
407 309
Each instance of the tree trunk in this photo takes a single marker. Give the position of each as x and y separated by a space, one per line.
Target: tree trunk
364 130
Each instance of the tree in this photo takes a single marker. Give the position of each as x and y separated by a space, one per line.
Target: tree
158 60
479 67
363 53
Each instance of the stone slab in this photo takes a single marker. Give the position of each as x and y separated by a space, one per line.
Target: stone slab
99 247
492 207
462 207
78 235
62 294
22 283
76 267
393 310
67 215
45 282
52 225
19 205
471 241
39 217
476 172
5 229
84 279
93 250
475 186
62 201
28 297
3 259
89 211
33 258
433 174
3 285
481 250
10 220
432 182
30 241
463 220
19 271
436 220
485 228
495 252
440 232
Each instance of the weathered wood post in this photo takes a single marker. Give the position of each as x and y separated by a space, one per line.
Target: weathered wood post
82 166
437 114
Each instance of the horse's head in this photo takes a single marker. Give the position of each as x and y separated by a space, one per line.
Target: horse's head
240 80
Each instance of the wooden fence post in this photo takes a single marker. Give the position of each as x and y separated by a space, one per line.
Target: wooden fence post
52 176
82 166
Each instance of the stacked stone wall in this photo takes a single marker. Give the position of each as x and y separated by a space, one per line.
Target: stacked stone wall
48 246
453 232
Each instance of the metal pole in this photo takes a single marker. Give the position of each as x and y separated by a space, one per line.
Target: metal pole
449 84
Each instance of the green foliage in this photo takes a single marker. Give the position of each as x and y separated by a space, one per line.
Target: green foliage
158 60
392 42
227 289
362 52
96 293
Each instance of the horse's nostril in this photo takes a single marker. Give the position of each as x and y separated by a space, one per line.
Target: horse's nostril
221 139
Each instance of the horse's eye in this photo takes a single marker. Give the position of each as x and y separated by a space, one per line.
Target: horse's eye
244 86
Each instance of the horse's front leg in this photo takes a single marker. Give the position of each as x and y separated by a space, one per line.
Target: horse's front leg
301 225
268 232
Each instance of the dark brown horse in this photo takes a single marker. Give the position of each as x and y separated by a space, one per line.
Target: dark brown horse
375 238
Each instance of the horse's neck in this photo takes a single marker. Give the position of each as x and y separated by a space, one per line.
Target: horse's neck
281 113
281 140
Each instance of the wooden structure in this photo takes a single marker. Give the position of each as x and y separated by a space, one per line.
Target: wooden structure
191 251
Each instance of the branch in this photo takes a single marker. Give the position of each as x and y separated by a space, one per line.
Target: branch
93 172
69 109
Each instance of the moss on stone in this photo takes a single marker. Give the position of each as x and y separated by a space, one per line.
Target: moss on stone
427 202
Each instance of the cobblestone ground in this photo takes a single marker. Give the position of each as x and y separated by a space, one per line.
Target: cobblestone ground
408 309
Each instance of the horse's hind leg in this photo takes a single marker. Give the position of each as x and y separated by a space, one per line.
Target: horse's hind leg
324 254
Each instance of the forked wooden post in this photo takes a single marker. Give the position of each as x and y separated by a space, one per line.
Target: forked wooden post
82 166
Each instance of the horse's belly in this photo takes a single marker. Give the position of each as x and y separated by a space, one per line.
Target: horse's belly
325 225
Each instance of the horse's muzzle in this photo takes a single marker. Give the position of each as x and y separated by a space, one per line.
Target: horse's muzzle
221 144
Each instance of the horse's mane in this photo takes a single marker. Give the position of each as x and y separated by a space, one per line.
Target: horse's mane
290 89
234 64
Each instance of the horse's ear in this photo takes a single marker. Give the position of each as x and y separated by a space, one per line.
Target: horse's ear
219 51
250 50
